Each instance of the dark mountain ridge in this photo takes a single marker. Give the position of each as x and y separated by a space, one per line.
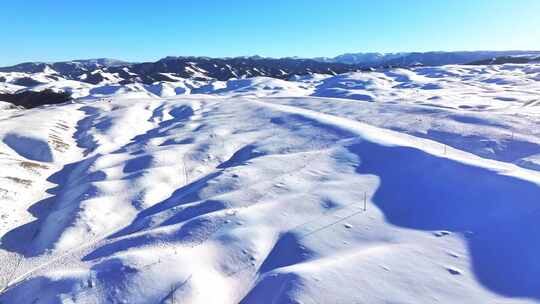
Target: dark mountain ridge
172 68
505 60
96 71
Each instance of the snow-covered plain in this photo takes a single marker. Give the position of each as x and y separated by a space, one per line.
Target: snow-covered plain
398 186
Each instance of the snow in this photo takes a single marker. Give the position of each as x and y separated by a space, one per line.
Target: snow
393 186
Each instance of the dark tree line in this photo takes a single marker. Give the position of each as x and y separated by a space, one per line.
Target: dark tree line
31 99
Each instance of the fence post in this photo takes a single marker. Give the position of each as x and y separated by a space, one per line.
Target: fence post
365 201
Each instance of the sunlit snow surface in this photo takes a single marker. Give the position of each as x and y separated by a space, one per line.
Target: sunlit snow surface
400 186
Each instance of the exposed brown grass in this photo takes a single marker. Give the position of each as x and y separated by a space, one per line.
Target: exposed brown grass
57 143
33 167
62 126
22 181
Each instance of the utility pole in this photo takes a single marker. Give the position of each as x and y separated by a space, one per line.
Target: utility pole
365 201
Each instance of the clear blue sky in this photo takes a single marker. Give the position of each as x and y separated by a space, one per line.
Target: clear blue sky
39 30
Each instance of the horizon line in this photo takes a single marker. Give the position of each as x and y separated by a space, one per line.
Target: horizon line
262 56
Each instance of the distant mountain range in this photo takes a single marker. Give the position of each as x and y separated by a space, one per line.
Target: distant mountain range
507 59
177 68
170 69
424 58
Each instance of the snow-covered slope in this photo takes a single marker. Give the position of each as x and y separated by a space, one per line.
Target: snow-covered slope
272 191
425 95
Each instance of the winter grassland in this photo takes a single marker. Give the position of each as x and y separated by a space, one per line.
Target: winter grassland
396 186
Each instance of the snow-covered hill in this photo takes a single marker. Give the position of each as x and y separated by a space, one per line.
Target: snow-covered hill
398 186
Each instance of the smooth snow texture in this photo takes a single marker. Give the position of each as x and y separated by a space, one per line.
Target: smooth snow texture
268 191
